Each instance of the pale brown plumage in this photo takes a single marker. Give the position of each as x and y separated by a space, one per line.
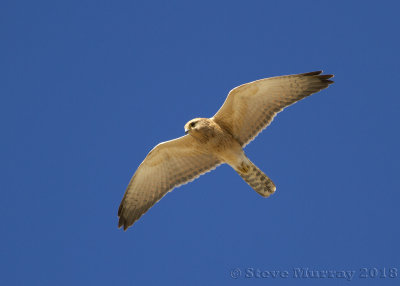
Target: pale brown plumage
247 110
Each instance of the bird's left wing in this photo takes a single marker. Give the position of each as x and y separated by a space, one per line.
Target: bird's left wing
168 165
251 107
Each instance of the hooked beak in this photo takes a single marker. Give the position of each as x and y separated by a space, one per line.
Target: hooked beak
186 131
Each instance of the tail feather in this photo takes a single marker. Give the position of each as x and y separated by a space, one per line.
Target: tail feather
256 179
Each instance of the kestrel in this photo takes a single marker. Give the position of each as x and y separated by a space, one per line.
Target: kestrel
209 142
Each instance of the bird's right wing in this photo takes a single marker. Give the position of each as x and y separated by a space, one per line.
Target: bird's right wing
251 107
167 166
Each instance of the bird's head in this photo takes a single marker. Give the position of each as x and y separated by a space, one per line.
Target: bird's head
195 125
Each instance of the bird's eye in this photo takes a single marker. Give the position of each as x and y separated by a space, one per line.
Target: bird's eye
192 124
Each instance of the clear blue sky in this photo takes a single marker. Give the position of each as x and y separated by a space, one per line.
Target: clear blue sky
89 87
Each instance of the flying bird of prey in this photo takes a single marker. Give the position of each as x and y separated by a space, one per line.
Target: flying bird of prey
209 142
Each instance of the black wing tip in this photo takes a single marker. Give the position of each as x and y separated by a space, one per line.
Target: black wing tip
312 73
326 76
327 81
120 209
323 77
123 223
319 75
125 219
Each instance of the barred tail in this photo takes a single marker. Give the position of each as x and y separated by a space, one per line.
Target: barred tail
256 179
